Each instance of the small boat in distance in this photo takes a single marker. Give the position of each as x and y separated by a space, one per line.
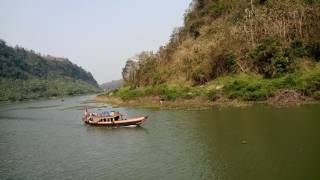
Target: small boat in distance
111 118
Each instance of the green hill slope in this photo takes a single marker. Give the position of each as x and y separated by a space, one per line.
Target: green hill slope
27 75
234 49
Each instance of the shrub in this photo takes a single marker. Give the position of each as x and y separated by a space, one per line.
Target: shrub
217 9
280 64
262 1
314 50
316 95
257 95
176 91
126 93
270 59
310 2
212 95
199 76
194 29
222 64
297 48
247 87
309 83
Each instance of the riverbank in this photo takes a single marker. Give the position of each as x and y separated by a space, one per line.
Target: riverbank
285 99
156 102
301 87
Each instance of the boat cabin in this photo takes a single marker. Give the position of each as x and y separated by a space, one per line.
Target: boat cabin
111 118
107 116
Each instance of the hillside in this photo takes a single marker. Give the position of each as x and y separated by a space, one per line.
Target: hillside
233 49
27 75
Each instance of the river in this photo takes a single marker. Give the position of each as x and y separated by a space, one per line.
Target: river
47 140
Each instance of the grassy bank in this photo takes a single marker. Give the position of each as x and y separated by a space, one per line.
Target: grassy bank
238 89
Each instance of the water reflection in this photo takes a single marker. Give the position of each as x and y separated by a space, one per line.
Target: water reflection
107 130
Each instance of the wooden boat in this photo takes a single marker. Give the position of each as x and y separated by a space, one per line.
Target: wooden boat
111 118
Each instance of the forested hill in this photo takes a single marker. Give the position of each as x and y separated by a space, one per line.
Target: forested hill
250 49
25 74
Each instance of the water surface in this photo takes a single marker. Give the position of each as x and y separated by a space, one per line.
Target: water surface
47 140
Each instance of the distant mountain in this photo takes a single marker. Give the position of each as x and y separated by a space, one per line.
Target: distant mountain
109 86
25 74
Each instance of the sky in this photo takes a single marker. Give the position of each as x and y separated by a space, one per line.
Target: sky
98 35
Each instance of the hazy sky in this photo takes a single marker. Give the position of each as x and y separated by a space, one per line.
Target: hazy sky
99 35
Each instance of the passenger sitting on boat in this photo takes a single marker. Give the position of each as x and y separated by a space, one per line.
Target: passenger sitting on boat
105 113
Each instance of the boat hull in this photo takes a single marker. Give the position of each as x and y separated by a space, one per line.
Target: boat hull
128 122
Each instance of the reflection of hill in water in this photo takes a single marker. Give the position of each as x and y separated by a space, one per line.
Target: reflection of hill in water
18 118
42 107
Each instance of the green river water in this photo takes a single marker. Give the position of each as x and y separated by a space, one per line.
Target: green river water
47 140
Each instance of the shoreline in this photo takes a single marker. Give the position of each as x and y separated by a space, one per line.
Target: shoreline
47 98
196 103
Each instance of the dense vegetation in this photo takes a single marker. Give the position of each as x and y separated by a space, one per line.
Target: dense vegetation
243 86
27 75
249 49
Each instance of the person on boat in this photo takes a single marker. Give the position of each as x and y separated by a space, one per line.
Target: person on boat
112 121
86 114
